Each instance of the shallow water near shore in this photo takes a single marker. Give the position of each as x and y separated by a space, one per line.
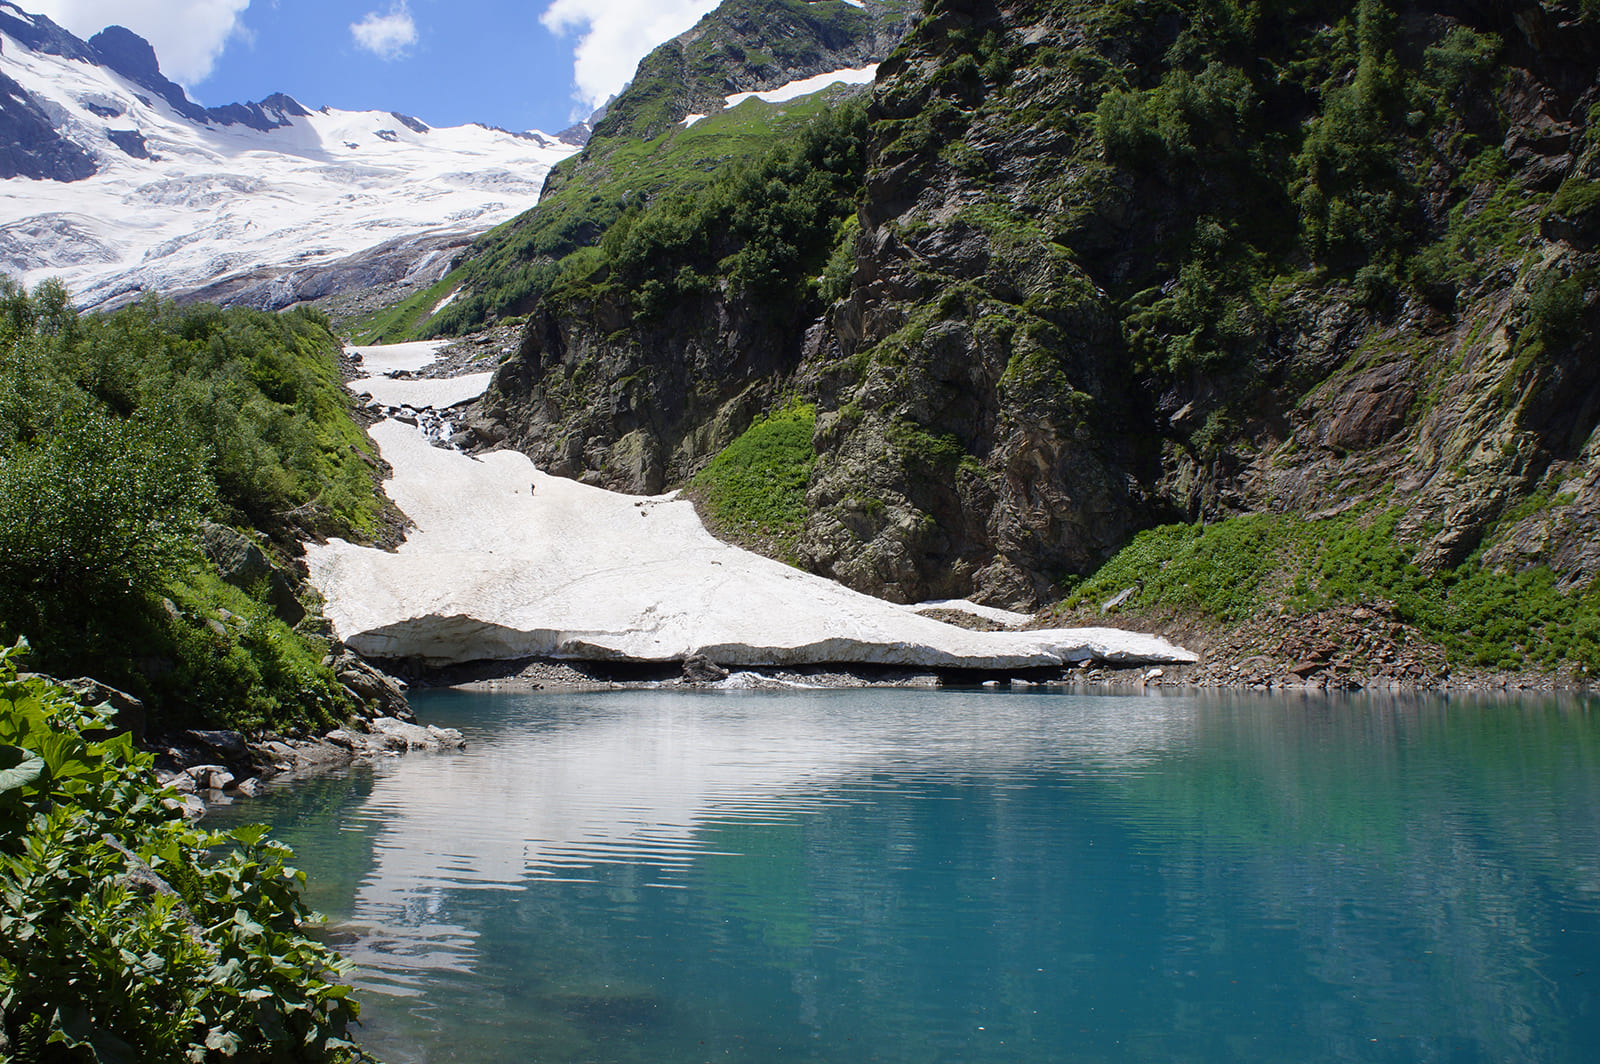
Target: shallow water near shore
918 876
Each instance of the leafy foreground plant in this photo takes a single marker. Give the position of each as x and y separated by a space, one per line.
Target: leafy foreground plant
125 933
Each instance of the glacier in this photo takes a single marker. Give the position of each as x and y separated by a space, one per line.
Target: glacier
182 199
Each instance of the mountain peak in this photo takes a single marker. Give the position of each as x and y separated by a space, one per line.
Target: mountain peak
126 52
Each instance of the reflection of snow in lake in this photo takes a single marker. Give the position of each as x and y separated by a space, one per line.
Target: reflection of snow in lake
564 784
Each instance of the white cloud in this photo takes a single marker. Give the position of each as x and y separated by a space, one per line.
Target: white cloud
188 35
386 36
613 35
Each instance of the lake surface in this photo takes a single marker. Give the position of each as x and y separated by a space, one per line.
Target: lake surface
935 876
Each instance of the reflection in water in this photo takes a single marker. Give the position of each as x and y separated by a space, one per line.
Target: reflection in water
915 876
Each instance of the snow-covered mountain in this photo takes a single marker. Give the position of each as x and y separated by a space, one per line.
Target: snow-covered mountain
116 182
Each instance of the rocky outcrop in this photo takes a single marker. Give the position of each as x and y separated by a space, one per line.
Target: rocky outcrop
30 145
1113 272
242 562
381 696
120 49
638 411
1059 444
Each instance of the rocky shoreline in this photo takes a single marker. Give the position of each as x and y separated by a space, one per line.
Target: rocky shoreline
208 767
1341 648
1348 649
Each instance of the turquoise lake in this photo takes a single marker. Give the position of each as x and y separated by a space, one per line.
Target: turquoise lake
939 876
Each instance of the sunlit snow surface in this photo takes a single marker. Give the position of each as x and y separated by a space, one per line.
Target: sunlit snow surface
216 200
796 89
806 86
505 561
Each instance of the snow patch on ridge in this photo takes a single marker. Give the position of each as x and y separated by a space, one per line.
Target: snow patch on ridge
806 86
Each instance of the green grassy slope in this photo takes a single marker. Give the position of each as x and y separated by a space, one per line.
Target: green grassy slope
128 439
640 151
516 264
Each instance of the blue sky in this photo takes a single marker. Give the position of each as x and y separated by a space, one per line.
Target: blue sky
519 64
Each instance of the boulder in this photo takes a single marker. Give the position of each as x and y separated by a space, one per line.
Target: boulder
129 711
403 735
189 805
210 777
228 746
379 694
697 668
245 565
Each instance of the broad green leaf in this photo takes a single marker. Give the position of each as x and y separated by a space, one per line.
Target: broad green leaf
223 1041
18 767
250 834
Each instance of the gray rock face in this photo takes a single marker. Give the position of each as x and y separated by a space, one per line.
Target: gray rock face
30 145
243 563
130 141
652 409
383 696
1067 449
996 410
391 270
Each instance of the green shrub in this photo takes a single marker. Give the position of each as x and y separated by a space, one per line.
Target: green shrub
1462 58
119 433
755 488
1234 569
1555 306
95 513
126 934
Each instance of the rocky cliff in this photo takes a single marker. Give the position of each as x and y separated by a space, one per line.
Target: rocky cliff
1164 265
1118 265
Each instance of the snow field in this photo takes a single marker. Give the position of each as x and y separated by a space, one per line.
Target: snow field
506 561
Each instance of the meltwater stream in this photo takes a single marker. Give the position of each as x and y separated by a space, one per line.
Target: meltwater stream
921 876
